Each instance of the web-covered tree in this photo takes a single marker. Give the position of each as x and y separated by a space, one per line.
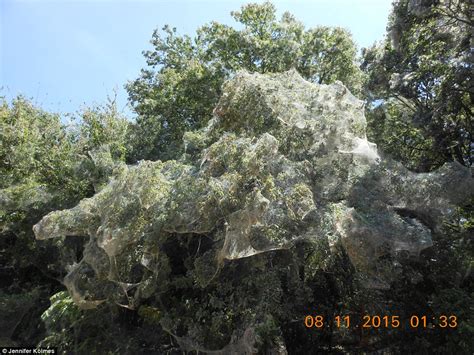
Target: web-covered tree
420 79
45 165
180 87
420 111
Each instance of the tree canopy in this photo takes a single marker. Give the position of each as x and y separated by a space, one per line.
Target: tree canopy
421 76
182 83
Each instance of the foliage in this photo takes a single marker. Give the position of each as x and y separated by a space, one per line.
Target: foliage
46 165
62 311
35 148
103 125
419 88
423 73
181 86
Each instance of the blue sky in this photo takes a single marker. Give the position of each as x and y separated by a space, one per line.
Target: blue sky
64 54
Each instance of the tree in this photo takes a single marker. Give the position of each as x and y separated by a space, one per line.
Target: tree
422 77
419 88
45 165
181 86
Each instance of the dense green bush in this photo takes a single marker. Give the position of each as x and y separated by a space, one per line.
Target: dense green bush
46 165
